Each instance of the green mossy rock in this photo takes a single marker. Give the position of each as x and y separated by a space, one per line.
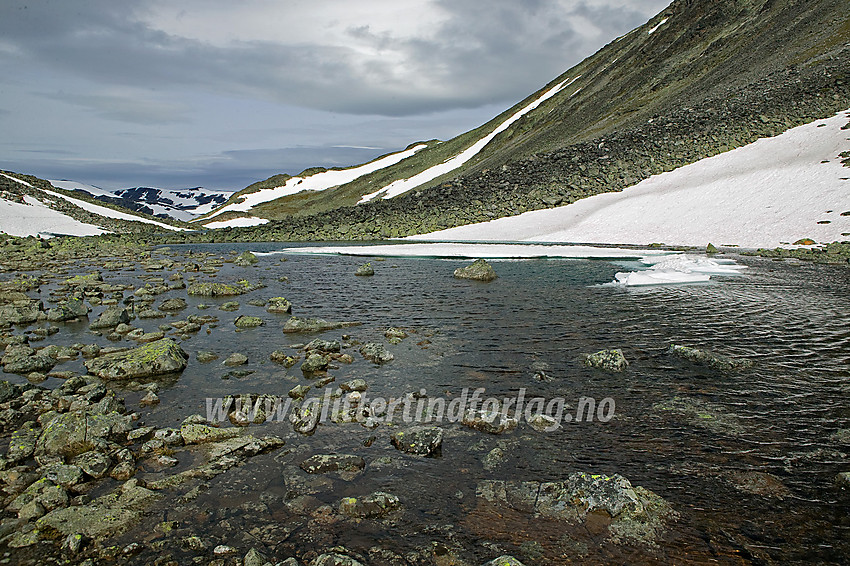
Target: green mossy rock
156 358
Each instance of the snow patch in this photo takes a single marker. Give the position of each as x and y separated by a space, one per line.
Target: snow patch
678 269
317 182
661 23
36 219
403 185
108 212
17 180
240 222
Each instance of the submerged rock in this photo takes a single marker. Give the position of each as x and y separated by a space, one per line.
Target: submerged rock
504 560
335 559
634 514
156 358
236 359
492 422
716 361
295 324
479 270
608 360
245 259
170 305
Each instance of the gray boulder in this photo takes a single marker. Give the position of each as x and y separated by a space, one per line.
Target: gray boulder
420 440
111 317
608 360
295 324
710 359
376 352
365 270
279 305
374 505
479 270
324 463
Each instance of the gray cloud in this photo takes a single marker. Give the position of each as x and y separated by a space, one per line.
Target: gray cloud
477 55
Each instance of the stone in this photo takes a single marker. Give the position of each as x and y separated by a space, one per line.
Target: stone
156 358
374 505
229 306
376 352
354 385
206 357
279 305
335 559
365 270
420 440
479 270
245 259
201 433
236 359
215 289
20 312
93 463
20 358
281 357
299 391
492 422
395 335
323 345
608 360
23 442
295 325
254 558
150 313
248 322
315 363
324 463
842 480
171 305
504 560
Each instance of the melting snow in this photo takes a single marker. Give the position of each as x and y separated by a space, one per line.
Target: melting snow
661 23
765 194
403 185
676 270
108 212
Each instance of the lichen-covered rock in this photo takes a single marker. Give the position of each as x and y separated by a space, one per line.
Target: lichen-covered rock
324 463
156 358
68 310
365 270
479 270
374 505
248 322
419 440
20 312
215 289
194 433
279 305
20 358
111 317
73 433
245 259
315 362
323 345
376 352
171 305
703 357
395 335
295 324
335 559
236 359
608 360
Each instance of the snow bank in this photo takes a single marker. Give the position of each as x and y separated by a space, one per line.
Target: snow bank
403 185
236 222
317 182
766 194
36 219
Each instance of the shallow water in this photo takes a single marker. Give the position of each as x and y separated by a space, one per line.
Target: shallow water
779 417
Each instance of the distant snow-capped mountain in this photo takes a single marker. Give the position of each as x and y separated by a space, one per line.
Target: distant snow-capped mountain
179 204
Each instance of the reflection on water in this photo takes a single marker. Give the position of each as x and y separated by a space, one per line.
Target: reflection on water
778 418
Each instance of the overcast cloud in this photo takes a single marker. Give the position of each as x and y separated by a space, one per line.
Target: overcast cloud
221 94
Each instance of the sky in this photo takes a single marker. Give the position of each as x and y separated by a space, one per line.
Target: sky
220 94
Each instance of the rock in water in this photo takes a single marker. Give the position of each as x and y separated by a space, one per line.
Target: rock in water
296 324
504 560
365 270
248 322
376 504
111 317
609 360
245 259
479 270
279 305
156 358
375 352
422 441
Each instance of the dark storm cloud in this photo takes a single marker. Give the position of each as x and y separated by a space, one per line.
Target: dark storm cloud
481 53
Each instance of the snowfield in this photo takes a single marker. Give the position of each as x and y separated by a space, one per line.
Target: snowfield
108 212
317 182
403 185
766 194
36 219
240 222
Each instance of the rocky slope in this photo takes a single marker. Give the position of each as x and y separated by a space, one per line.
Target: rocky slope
698 79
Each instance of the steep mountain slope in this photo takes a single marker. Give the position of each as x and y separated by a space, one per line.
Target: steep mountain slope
180 204
30 206
700 78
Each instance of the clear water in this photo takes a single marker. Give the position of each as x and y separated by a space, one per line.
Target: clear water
792 320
